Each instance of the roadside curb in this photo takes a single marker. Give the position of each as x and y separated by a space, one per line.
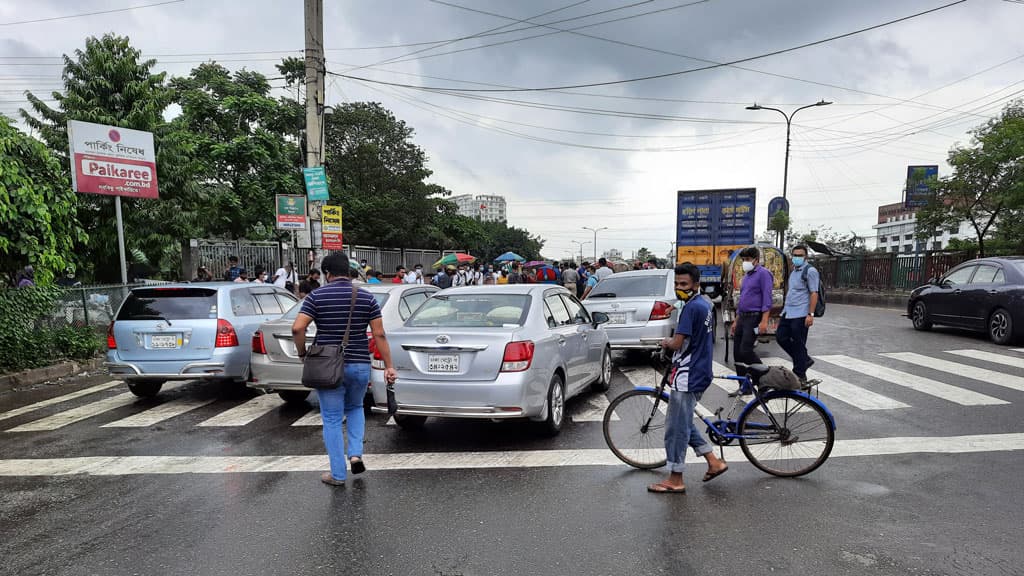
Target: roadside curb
873 299
39 375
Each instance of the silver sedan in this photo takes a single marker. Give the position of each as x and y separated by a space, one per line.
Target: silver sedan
641 306
495 352
275 364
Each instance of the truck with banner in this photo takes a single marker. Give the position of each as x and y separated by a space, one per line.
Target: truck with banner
710 226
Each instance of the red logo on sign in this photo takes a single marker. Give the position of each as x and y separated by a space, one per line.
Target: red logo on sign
114 136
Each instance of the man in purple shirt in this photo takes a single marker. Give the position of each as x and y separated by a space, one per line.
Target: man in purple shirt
753 308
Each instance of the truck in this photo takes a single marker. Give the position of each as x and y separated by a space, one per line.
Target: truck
711 225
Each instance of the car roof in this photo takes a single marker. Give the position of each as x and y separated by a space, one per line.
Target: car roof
210 285
503 289
655 272
380 288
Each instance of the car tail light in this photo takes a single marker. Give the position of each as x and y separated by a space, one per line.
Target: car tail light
226 335
661 311
111 341
376 361
518 356
258 346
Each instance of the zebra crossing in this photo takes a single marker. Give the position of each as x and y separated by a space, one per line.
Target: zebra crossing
912 376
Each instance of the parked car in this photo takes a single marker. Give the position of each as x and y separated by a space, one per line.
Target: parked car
275 361
641 307
494 353
189 331
986 294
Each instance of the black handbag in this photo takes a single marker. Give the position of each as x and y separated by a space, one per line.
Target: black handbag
324 367
392 401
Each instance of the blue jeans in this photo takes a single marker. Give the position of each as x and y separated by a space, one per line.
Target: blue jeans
345 402
792 337
680 431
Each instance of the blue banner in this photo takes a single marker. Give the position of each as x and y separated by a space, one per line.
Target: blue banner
919 185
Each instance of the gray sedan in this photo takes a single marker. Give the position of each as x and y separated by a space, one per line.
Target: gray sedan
641 306
275 364
495 352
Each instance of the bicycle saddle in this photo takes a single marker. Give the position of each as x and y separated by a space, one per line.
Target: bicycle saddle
754 370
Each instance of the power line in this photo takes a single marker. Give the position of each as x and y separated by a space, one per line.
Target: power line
84 14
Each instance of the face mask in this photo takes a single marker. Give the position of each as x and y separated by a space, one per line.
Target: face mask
684 295
748 266
798 261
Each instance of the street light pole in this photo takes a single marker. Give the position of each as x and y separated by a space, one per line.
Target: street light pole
789 125
595 231
582 244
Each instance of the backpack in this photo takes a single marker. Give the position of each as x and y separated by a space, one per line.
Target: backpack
819 308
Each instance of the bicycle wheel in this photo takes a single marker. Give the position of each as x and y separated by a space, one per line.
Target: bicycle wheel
634 428
799 443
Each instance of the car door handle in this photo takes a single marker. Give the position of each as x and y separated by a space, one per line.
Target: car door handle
585 335
561 340
993 291
957 291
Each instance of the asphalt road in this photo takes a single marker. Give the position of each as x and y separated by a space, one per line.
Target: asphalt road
925 479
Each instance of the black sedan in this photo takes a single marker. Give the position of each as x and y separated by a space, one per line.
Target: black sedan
986 294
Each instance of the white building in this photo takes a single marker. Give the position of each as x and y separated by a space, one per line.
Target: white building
896 229
485 207
613 254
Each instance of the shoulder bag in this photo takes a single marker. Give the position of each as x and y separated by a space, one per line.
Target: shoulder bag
324 367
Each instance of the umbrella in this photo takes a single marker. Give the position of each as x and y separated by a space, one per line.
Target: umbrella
535 263
454 259
510 257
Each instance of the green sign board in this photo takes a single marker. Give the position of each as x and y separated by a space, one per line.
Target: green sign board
291 212
316 183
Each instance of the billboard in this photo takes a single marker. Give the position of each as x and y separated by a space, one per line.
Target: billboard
111 160
919 189
776 205
316 183
330 216
291 212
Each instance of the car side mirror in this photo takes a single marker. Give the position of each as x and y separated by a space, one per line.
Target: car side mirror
599 318
933 281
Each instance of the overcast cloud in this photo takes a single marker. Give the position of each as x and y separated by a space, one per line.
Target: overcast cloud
842 164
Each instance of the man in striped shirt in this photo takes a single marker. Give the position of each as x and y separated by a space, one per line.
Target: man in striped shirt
329 307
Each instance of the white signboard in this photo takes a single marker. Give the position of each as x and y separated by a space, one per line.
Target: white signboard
111 160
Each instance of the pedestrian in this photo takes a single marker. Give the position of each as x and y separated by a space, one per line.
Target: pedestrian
68 280
603 270
313 278
798 313
570 277
652 263
592 281
371 278
365 267
261 275
27 277
339 308
286 277
503 277
516 275
693 350
233 269
243 275
753 308
442 280
581 278
203 275
415 276
476 276
399 275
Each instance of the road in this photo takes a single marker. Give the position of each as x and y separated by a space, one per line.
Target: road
926 478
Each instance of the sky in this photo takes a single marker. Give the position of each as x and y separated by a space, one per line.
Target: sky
610 156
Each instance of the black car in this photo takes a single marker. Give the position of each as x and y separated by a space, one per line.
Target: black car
986 294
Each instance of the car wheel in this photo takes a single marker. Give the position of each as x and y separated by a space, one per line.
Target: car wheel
1000 327
293 396
145 388
552 425
604 379
407 422
919 316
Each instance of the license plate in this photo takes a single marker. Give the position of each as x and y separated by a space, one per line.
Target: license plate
443 363
617 317
164 341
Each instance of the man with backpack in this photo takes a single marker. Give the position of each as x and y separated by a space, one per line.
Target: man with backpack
802 305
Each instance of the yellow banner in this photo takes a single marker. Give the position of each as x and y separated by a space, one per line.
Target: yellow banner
331 218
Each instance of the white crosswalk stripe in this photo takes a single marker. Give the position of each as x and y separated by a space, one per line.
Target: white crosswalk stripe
58 399
650 377
312 418
159 413
921 384
62 419
1017 350
844 391
962 370
245 413
990 357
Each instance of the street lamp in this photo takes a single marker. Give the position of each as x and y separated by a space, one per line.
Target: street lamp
595 231
582 244
789 123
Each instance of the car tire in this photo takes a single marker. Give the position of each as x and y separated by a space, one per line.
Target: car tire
919 316
293 396
406 422
145 388
552 425
604 378
1000 327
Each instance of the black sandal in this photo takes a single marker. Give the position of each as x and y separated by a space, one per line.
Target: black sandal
358 467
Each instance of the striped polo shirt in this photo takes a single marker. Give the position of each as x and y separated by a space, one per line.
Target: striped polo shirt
328 306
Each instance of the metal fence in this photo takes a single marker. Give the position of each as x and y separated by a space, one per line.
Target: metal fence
887 271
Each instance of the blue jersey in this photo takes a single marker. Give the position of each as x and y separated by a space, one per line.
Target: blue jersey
692 364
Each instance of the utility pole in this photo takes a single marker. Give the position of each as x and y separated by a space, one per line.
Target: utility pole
595 231
315 68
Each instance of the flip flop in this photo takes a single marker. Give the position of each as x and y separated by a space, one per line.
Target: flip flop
326 478
358 467
712 475
662 488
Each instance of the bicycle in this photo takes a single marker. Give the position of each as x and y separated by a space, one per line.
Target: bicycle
782 432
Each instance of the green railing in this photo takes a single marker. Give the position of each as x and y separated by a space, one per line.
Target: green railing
902 272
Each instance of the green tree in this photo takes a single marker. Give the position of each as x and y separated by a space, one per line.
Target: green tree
37 206
987 185
643 254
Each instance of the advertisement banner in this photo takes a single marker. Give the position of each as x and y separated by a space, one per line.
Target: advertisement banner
291 212
919 188
776 205
112 161
316 184
330 217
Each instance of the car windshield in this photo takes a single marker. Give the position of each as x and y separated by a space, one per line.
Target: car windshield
630 287
472 311
169 304
380 297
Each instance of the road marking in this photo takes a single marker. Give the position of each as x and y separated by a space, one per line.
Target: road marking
312 418
990 357
132 465
1017 350
245 413
964 370
924 385
591 409
652 375
62 419
58 399
159 413
844 391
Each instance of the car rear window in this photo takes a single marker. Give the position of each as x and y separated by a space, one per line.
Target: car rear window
471 311
169 304
380 297
630 287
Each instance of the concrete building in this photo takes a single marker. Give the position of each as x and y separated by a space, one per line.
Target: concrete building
896 229
485 207
613 254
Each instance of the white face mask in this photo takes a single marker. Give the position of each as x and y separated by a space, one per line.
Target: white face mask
748 266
